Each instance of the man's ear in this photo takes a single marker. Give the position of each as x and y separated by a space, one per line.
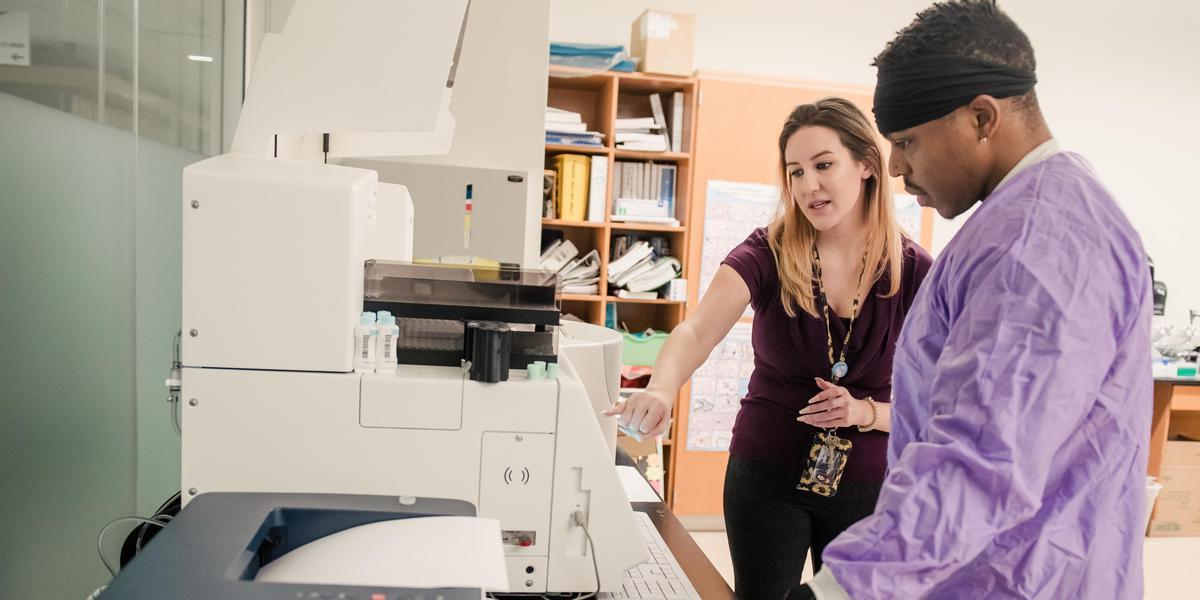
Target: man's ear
985 116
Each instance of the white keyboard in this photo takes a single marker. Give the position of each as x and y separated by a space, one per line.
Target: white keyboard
659 578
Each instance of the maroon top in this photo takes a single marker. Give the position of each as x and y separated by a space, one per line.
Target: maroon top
791 352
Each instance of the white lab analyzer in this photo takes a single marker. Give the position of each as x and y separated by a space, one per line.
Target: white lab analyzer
495 402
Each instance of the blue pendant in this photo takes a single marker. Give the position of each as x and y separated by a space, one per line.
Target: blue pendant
840 369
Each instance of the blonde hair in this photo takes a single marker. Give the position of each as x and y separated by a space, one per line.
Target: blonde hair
791 235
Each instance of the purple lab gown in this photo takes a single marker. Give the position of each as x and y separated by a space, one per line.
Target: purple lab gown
1021 408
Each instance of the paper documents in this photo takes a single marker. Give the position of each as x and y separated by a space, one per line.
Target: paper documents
419 552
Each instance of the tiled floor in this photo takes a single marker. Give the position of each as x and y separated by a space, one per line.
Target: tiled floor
1172 564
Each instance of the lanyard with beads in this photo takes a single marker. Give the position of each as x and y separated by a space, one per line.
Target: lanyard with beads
838 368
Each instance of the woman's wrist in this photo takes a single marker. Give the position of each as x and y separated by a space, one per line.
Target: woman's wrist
868 415
658 392
861 413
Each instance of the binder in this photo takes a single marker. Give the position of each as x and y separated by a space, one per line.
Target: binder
656 106
677 122
666 190
573 183
599 179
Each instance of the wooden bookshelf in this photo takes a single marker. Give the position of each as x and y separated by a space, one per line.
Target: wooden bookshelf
602 98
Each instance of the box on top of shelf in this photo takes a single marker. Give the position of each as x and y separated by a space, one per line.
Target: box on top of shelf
662 42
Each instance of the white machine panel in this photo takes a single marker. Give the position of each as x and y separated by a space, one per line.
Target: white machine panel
393 238
279 431
526 573
515 475
588 350
416 400
499 198
276 431
273 254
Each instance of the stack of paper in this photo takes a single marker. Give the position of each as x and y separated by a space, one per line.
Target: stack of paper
582 276
591 56
647 134
426 552
653 276
645 142
558 255
637 125
576 275
567 127
636 255
639 272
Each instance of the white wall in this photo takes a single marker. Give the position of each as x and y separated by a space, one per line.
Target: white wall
1118 83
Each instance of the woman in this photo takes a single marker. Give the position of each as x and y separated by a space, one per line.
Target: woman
830 280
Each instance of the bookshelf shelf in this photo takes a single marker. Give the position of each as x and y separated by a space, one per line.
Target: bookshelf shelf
572 149
581 298
638 301
658 156
648 227
562 223
614 299
578 78
666 442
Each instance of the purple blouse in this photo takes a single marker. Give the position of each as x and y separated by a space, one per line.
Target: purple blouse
791 352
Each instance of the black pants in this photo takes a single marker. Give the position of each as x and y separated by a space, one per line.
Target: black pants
771 525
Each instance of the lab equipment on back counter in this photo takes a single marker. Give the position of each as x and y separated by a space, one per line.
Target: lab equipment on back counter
1160 292
492 401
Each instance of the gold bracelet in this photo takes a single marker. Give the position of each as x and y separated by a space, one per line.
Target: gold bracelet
874 416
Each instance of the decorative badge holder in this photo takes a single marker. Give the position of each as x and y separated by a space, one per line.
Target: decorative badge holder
826 461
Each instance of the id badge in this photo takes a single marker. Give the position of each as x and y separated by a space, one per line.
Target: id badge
826 462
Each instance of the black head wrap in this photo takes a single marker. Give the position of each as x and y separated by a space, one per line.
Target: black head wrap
933 86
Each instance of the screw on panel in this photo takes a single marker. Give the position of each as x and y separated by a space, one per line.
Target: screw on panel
191 491
520 438
528 583
193 333
195 204
193 402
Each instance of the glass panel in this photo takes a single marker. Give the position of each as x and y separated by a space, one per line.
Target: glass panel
181 61
90 210
118 62
64 57
83 56
67 292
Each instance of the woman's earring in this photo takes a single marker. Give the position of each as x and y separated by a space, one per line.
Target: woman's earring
983 140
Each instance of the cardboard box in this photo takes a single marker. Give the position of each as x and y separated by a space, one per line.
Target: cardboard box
662 42
1178 512
647 456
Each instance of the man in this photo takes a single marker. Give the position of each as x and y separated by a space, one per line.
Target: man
1022 395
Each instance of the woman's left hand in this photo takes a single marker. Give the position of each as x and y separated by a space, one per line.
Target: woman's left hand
835 407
